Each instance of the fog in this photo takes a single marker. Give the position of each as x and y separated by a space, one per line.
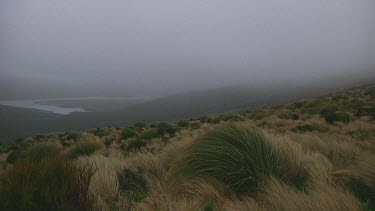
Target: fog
160 47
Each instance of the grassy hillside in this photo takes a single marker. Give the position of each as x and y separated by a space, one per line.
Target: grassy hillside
19 123
315 154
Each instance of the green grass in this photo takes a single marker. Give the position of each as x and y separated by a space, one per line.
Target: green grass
84 149
53 183
240 157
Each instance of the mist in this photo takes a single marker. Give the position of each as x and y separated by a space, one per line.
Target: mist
138 47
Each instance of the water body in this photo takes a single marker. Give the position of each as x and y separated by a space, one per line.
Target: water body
34 104
56 106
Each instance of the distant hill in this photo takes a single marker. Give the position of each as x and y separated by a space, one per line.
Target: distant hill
17 123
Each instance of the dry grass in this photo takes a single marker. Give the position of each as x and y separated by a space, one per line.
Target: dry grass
324 167
104 183
280 196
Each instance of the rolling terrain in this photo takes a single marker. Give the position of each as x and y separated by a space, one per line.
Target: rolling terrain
311 154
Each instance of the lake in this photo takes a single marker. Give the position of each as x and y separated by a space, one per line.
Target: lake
34 104
67 106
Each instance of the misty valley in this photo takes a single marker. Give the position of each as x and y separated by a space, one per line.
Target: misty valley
188 105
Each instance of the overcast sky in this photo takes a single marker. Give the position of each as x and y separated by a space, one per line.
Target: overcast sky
156 46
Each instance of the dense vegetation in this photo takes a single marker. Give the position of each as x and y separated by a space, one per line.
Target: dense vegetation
315 154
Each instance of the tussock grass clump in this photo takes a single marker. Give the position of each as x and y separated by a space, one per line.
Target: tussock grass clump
40 151
73 136
128 133
150 134
86 148
195 125
33 152
132 183
241 157
359 134
183 123
139 125
54 183
166 128
135 145
360 178
231 117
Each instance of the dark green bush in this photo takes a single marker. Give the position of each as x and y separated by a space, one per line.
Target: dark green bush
312 107
108 141
84 149
166 128
229 118
288 115
327 110
337 117
101 134
240 157
13 156
359 134
205 119
132 185
135 145
183 123
73 136
128 133
343 117
305 128
150 134
139 125
40 151
195 125
53 183
33 152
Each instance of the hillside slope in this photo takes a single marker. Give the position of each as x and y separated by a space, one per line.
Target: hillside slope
315 154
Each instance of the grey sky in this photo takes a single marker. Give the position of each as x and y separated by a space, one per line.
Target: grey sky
155 46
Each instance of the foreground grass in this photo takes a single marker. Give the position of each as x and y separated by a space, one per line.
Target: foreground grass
315 154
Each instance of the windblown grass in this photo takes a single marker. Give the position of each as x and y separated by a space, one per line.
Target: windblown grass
53 183
241 157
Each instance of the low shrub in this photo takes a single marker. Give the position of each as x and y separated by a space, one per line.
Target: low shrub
73 136
183 123
84 149
305 128
132 185
139 125
241 157
53 183
150 134
337 117
135 145
228 118
343 117
40 151
33 152
195 125
359 134
166 128
327 110
101 134
288 115
108 141
128 133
